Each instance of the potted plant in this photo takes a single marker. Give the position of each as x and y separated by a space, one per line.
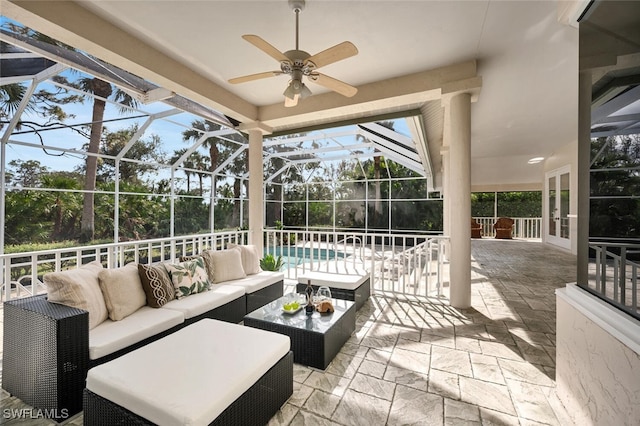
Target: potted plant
270 263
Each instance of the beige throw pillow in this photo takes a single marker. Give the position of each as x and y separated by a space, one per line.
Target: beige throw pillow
122 291
189 277
250 258
79 288
226 264
156 284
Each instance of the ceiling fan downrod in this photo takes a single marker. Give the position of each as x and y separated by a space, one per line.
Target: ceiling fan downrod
297 6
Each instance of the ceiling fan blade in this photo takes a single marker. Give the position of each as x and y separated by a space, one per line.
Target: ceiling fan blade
257 76
333 84
333 54
265 47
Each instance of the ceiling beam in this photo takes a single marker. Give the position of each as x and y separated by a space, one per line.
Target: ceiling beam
382 97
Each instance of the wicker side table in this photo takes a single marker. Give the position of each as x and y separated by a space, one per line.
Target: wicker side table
46 354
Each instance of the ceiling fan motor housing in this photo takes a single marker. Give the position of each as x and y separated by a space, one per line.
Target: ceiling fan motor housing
297 61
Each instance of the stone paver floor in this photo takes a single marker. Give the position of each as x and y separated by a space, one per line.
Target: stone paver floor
419 361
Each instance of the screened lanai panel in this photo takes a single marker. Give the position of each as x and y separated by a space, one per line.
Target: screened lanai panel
176 163
409 188
17 62
146 91
154 176
350 190
396 147
320 213
350 214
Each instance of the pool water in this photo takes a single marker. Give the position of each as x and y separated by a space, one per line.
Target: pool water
295 256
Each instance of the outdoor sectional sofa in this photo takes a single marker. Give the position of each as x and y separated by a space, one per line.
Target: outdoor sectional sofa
92 315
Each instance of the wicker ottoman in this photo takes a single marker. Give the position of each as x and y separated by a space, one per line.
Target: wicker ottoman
210 372
343 286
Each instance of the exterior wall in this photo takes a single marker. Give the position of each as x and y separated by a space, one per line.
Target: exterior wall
597 360
563 156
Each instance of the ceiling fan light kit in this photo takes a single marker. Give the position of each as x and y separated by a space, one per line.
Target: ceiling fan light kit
298 64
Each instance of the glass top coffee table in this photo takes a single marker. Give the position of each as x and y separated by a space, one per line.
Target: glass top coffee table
315 338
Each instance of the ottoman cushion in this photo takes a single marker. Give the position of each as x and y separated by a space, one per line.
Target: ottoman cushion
329 279
190 376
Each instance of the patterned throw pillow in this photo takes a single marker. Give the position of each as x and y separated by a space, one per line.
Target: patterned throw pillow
189 277
208 266
156 284
250 258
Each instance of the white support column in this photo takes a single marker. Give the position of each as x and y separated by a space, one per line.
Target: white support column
446 200
256 178
458 117
256 219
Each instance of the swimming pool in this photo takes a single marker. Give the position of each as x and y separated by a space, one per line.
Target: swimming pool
295 256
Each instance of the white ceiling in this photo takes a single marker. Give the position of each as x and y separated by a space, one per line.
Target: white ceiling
527 60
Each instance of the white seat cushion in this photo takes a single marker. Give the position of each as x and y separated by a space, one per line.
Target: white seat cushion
342 281
223 361
200 303
110 336
262 279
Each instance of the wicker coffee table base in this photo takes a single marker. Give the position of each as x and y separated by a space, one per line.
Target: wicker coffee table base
312 348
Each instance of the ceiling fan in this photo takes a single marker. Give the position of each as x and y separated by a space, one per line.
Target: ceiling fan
298 64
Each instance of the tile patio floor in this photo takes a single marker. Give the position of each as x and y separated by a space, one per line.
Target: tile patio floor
419 361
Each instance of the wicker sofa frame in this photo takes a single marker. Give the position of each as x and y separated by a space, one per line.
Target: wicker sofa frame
46 347
256 406
261 297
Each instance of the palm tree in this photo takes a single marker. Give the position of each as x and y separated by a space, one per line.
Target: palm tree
10 97
100 90
238 168
200 162
186 168
194 134
195 161
219 149
377 163
64 206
